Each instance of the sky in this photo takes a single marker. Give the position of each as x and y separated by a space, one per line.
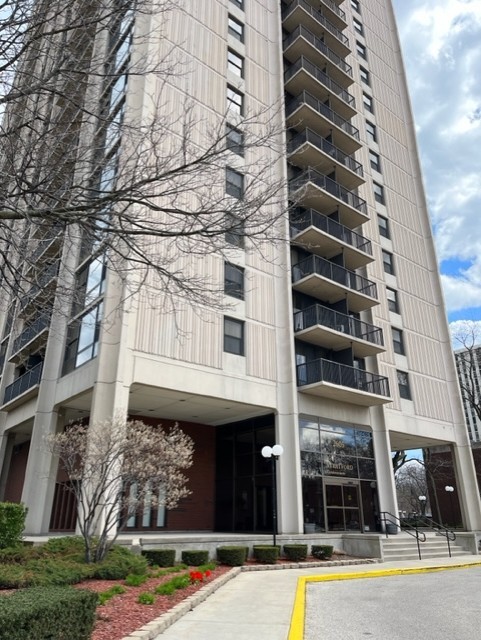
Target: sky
441 43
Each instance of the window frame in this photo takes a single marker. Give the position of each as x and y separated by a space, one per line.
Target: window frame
398 341
392 303
239 4
230 340
235 105
234 239
388 261
235 63
238 34
371 131
361 50
379 193
358 26
234 140
403 386
384 230
234 280
355 5
365 76
234 183
368 102
374 161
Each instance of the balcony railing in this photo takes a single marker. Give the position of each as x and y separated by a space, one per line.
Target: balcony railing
23 383
320 315
318 17
306 98
320 76
329 185
335 9
48 274
30 332
327 147
322 267
318 44
301 220
343 375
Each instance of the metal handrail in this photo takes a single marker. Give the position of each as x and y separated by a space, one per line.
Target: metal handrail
311 137
439 528
343 375
318 44
330 186
306 98
323 78
23 383
317 16
390 518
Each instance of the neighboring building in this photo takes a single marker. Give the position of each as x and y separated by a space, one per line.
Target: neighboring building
468 366
340 351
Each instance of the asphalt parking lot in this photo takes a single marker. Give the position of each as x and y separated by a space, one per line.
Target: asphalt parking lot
425 606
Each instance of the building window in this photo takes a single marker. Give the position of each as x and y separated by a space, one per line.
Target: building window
403 384
392 300
235 63
234 183
375 161
368 102
234 140
364 73
355 5
358 26
234 231
397 341
238 3
235 101
233 280
383 225
371 131
388 262
83 339
361 50
234 336
378 193
235 29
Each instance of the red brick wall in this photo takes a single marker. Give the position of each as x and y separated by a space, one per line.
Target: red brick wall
196 512
16 473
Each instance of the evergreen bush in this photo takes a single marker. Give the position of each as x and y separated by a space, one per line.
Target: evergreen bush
195 557
232 556
12 524
160 557
266 554
322 551
295 552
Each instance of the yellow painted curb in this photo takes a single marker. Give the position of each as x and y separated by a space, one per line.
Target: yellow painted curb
296 630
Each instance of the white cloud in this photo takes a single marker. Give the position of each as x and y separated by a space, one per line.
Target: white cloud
461 292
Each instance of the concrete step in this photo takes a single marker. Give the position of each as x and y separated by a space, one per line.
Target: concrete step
424 556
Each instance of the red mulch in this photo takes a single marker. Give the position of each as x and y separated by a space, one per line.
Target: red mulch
122 614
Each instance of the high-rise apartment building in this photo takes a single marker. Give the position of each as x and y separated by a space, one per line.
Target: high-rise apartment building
468 366
332 342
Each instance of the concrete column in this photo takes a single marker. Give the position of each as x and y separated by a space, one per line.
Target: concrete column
386 487
289 481
467 491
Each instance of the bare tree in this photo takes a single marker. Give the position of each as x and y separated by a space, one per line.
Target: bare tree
410 484
87 167
117 468
467 336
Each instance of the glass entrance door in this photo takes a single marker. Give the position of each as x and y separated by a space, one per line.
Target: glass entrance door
343 512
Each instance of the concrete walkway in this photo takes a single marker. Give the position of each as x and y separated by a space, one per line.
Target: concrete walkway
258 605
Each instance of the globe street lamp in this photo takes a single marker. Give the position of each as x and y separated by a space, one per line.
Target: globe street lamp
422 500
273 453
449 489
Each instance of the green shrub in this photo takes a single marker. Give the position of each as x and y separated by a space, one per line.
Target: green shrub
134 580
160 557
322 551
146 598
266 554
180 582
48 612
18 555
295 552
232 556
12 524
118 564
14 576
105 596
65 546
166 589
55 571
195 557
209 566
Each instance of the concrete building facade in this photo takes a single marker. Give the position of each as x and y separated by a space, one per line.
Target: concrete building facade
333 341
468 363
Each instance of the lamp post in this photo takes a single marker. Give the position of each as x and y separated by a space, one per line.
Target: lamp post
449 489
273 453
422 500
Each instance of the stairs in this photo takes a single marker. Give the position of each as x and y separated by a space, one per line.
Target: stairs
404 547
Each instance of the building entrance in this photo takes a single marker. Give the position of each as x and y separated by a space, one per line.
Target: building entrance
343 506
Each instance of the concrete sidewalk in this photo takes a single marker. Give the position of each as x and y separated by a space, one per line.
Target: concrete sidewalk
259 604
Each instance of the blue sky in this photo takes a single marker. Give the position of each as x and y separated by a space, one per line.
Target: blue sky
441 42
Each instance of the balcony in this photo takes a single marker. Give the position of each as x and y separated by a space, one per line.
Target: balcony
29 335
304 75
303 42
24 383
343 383
43 281
300 12
325 327
310 149
324 236
307 111
330 282
48 245
314 190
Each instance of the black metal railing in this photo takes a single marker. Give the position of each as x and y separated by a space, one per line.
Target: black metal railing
23 383
299 221
343 375
333 30
435 526
43 279
306 98
30 332
318 314
335 9
318 44
322 267
327 147
391 524
320 76
331 186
